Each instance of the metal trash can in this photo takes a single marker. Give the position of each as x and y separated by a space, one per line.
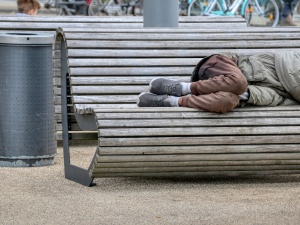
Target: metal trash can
27 135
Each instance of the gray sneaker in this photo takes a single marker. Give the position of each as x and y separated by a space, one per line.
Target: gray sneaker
147 99
162 86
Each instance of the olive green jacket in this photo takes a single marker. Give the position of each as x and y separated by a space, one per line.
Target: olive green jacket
273 79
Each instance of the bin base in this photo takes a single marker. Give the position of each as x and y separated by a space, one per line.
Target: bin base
26 162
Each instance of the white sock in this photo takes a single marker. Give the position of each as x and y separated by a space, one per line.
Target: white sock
244 96
173 101
186 88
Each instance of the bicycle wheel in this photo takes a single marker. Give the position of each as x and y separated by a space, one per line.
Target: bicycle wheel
196 7
261 13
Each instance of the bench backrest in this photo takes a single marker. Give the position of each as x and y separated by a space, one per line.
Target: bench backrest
109 68
52 23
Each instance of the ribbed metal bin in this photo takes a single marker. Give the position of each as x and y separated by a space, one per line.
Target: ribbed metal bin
27 135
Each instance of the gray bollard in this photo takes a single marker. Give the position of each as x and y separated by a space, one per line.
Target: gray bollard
27 135
161 13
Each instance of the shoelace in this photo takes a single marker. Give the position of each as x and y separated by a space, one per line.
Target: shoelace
158 101
170 88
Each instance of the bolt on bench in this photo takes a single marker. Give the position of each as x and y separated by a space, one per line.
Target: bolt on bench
103 72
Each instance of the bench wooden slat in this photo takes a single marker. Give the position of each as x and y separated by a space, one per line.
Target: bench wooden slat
116 19
126 89
53 26
134 62
191 169
181 36
197 163
200 140
200 149
184 44
220 173
189 131
89 108
101 114
198 157
131 71
182 109
215 28
104 99
110 80
176 122
179 53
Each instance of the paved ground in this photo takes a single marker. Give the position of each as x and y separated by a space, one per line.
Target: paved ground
43 196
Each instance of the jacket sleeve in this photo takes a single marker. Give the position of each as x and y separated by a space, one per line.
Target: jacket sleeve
263 96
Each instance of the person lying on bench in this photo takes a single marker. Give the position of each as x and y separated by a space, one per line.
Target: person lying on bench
224 81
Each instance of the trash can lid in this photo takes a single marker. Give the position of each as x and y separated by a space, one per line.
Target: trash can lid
26 38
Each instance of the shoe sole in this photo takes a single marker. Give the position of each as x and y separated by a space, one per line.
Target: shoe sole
138 101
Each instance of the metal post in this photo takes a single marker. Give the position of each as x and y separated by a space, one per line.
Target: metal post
161 13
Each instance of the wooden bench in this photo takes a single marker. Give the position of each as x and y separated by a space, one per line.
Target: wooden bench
103 72
98 25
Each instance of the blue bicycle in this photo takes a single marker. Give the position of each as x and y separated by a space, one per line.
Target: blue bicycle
255 12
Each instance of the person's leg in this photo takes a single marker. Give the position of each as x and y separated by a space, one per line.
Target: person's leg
233 83
287 13
218 89
218 73
219 102
147 99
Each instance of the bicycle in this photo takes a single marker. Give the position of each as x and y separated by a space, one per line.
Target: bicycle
255 12
115 7
193 8
68 7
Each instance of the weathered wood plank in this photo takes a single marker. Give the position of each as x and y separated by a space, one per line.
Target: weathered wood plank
29 25
132 71
196 163
200 149
115 19
182 36
198 174
125 107
195 141
137 62
246 44
111 80
195 131
203 30
191 169
120 114
159 53
126 89
199 157
177 122
183 109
